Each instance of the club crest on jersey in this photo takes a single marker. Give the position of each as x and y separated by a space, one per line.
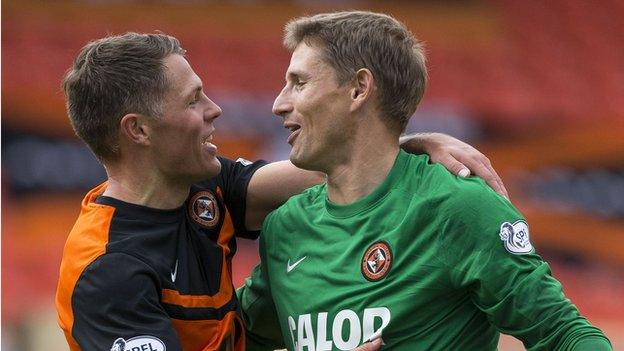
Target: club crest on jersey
516 237
139 343
377 261
204 209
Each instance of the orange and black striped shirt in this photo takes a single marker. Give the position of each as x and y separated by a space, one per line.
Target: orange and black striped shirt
139 278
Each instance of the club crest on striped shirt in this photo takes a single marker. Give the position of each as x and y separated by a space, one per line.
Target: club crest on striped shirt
516 237
376 261
203 209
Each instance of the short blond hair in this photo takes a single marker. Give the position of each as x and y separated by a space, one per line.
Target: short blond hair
352 40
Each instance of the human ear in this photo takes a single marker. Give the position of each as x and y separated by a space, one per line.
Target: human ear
363 87
135 128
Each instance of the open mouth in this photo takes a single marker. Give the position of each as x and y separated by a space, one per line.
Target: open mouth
295 129
206 143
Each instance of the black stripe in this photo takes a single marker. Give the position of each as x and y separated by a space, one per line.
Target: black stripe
201 313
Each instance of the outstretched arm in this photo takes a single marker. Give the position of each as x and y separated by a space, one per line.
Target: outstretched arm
271 186
274 183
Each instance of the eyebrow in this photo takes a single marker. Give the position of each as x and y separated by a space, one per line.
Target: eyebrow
297 74
197 89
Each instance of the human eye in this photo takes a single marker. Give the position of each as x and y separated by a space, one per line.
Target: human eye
299 83
195 99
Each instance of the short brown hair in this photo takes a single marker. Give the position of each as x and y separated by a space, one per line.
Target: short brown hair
353 40
112 77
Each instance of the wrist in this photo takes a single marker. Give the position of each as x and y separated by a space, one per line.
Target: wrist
416 143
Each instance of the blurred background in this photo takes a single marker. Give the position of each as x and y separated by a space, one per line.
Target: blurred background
538 86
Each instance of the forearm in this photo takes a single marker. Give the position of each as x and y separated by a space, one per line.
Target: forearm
593 343
272 185
551 323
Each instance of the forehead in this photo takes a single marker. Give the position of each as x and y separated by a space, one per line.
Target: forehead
307 58
180 74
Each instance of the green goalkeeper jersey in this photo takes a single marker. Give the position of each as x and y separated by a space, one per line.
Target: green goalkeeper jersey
428 260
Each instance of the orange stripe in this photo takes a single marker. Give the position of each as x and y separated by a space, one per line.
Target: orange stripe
227 230
218 300
85 243
192 333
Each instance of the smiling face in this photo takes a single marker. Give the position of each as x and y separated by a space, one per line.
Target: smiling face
181 137
315 108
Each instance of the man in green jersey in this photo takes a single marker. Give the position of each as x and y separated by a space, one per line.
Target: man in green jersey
391 245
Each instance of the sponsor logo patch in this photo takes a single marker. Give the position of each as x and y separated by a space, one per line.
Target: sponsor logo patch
139 343
377 261
204 209
516 237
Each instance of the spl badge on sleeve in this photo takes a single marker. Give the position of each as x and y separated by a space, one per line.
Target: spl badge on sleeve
516 237
139 343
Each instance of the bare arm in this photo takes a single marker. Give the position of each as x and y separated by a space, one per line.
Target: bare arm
274 183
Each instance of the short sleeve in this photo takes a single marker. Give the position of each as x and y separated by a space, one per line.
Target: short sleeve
116 300
233 180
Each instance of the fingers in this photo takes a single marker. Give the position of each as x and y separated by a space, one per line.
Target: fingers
472 161
464 172
452 164
462 160
369 346
501 187
483 169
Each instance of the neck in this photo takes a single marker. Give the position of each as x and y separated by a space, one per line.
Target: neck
371 157
137 186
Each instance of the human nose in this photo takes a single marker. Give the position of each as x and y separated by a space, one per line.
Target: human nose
213 111
282 104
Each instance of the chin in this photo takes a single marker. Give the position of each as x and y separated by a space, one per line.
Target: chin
210 170
296 159
303 162
215 167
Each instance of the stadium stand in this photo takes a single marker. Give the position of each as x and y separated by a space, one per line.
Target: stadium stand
537 85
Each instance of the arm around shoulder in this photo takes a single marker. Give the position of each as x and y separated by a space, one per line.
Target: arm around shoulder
271 186
458 157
